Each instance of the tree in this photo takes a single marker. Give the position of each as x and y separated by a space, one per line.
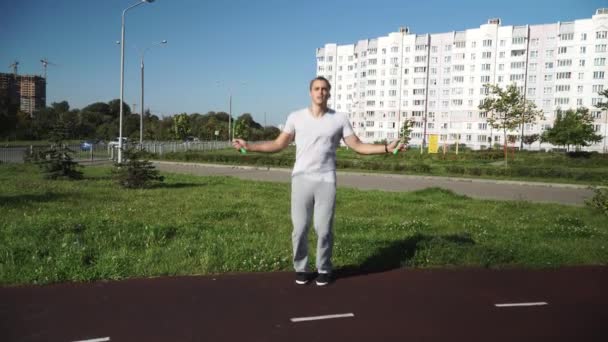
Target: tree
181 126
604 106
530 139
56 161
573 127
507 107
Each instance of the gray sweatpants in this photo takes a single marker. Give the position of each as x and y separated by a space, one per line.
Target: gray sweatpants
312 194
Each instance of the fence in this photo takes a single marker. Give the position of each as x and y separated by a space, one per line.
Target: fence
103 151
161 147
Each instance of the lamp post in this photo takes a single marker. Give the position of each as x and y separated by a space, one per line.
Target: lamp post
230 128
141 117
122 72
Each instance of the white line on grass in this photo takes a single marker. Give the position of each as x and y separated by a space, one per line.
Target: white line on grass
101 339
315 318
521 304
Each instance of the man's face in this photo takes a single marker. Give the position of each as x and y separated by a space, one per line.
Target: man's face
319 92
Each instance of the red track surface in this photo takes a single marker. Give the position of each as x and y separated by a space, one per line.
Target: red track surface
398 305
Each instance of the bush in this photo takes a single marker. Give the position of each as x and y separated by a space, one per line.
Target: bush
136 172
56 162
599 199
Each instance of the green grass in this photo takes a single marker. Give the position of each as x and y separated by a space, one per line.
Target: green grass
56 231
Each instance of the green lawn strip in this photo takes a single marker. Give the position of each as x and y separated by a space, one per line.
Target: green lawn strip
56 231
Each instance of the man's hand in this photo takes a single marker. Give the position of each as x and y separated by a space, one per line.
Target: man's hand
240 143
395 144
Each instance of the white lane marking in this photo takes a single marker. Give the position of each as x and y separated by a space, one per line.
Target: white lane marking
315 318
101 339
521 304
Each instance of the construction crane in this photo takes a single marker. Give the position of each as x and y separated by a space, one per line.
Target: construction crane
14 66
45 63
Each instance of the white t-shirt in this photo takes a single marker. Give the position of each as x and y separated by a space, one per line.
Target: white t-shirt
317 139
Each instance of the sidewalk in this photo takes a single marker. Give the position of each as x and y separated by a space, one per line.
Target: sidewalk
569 194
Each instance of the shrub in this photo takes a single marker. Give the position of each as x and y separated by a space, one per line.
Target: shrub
136 172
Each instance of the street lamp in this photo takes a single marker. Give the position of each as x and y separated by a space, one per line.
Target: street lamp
141 117
122 72
230 128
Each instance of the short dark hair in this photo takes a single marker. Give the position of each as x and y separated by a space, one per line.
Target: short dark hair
319 78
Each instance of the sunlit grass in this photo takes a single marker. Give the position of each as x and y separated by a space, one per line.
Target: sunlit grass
54 231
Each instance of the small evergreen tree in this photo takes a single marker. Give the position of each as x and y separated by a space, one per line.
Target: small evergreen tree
56 161
136 172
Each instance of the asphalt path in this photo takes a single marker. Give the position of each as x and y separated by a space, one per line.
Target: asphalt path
477 188
566 304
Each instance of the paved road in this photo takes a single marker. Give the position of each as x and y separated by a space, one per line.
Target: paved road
568 304
477 188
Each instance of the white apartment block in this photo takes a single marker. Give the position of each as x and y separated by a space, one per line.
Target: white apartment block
438 79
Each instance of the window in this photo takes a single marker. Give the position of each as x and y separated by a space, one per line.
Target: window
598 88
601 34
598 75
485 79
482 126
548 78
562 50
549 53
532 78
486 54
485 67
580 89
516 77
532 66
533 54
567 36
549 65
583 49
518 65
600 48
501 54
487 42
562 101
564 62
599 61
583 36
518 40
581 62
515 53
563 75
531 91
460 45
562 87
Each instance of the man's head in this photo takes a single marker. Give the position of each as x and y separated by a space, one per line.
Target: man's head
319 91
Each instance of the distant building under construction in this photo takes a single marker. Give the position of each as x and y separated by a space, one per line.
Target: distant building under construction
29 91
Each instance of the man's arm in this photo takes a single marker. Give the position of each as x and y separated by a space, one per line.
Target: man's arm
353 142
276 145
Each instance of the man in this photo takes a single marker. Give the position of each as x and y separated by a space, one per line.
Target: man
317 131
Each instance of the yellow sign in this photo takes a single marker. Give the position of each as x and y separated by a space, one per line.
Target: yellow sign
433 143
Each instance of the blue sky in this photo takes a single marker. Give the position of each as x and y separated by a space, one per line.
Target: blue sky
263 50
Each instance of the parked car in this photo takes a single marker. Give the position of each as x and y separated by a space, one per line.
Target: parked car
115 142
86 145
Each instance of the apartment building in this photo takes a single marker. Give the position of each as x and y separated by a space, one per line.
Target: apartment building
438 79
29 91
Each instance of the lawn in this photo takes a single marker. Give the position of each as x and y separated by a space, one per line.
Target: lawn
58 231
